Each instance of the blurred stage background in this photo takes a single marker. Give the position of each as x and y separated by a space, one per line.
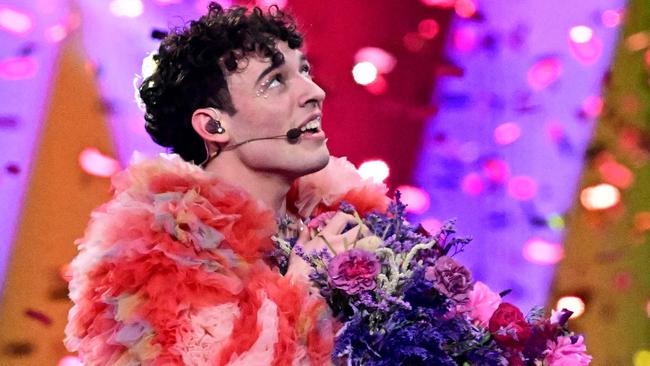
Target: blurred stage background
527 121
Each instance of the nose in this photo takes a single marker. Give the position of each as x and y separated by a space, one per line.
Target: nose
312 93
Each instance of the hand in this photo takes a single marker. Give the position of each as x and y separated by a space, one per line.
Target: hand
329 236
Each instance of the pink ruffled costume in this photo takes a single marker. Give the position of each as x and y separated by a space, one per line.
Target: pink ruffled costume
172 271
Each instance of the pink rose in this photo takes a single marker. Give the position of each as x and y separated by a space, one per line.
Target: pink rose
354 271
567 351
482 303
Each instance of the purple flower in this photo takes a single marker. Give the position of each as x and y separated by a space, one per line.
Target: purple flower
354 271
450 279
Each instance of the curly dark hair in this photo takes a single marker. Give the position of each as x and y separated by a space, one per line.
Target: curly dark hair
190 72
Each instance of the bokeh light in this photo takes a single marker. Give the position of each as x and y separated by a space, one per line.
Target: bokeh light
126 8
465 8
265 4
17 68
556 222
70 361
416 199
377 170
642 221
507 133
465 39
56 33
611 18
540 251
428 28
573 303
522 188
589 51
615 173
592 106
382 60
600 196
544 72
439 3
364 73
496 170
581 34
93 162
473 184
642 358
14 21
432 225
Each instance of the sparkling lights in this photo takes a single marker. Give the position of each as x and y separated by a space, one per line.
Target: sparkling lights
573 303
14 21
600 197
364 73
540 251
377 170
581 34
507 133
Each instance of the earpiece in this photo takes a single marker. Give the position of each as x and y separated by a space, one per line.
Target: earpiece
213 126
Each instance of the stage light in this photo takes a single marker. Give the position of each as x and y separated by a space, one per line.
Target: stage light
592 106
126 8
95 163
600 197
544 72
428 28
56 33
573 303
496 170
465 8
416 199
14 21
377 170
382 60
522 188
507 133
18 68
364 73
540 251
581 34
615 173
611 18
472 184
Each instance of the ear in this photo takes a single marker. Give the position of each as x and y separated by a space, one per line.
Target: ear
202 116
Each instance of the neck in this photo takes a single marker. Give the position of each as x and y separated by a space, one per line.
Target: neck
270 188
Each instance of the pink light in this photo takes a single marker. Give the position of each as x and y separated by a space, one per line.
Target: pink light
126 8
544 72
581 34
14 21
615 173
383 61
465 39
431 225
593 106
647 308
416 199
168 2
413 42
465 8
612 18
600 197
507 133
266 3
540 251
522 188
496 170
472 184
439 3
378 86
555 131
18 68
56 33
587 52
95 163
573 303
70 361
377 170
428 28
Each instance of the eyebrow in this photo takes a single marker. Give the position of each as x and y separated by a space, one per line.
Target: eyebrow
272 67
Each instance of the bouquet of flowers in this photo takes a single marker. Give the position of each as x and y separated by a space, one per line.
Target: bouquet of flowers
402 299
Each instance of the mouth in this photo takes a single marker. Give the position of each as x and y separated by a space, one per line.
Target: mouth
312 125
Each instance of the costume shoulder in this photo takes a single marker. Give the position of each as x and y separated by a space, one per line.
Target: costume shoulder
339 181
171 271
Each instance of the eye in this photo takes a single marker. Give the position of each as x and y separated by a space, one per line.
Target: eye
276 80
305 69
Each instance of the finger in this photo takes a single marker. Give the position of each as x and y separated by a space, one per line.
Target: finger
337 223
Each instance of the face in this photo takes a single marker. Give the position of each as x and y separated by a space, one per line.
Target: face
270 101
